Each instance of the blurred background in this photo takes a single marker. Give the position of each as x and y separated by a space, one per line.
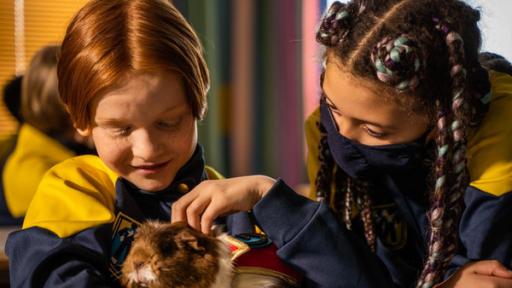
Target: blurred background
264 65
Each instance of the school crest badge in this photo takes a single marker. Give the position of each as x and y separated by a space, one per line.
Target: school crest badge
123 233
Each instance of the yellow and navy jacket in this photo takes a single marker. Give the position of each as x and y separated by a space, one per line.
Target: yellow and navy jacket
81 223
24 168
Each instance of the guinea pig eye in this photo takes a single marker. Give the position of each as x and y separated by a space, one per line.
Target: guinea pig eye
167 248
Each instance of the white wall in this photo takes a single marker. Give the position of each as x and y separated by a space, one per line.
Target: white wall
496 25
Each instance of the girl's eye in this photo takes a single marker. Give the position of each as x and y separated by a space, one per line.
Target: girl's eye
336 112
374 133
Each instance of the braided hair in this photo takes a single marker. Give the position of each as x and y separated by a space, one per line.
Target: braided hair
426 49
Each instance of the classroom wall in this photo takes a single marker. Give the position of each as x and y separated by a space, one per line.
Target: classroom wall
496 25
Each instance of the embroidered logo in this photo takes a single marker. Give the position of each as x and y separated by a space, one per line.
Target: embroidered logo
390 228
122 237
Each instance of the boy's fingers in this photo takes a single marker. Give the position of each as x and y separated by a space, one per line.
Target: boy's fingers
194 211
179 208
206 225
209 215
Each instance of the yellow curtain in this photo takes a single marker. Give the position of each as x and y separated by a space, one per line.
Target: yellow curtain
44 23
7 61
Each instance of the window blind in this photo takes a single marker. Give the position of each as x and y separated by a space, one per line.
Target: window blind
44 23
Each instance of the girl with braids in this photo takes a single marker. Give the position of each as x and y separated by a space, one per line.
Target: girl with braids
409 156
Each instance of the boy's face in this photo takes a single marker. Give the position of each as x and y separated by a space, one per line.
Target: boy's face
144 129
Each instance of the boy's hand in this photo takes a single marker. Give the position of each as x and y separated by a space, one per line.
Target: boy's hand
481 274
213 198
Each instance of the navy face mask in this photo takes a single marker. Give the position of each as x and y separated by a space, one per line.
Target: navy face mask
367 162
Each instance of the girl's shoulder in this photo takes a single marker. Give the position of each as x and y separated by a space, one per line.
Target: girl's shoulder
313 136
489 145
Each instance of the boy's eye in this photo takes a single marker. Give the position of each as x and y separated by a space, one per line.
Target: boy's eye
166 124
122 131
169 124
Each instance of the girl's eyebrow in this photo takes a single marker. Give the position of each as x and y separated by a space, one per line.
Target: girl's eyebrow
331 104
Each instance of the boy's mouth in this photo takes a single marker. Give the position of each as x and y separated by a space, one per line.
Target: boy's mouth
150 168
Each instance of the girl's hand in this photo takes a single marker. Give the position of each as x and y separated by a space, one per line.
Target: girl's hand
213 198
481 274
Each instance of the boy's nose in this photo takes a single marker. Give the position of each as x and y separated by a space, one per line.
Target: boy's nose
145 146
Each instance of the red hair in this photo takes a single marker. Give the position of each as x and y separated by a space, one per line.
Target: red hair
106 40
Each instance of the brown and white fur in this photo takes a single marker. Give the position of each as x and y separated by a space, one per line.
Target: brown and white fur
165 255
175 255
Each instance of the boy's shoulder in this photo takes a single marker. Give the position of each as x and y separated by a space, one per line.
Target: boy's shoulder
74 195
89 162
212 173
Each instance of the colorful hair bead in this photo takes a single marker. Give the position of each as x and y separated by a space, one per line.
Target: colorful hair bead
397 62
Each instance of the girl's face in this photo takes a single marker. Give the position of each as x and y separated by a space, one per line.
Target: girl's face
366 115
144 130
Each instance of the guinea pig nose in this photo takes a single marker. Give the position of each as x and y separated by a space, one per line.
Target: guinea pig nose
138 265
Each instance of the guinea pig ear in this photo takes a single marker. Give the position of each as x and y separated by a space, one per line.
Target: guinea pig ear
187 239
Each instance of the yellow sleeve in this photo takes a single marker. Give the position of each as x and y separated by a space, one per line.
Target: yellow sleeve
313 141
490 145
74 195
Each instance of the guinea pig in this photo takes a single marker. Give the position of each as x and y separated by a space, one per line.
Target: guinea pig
165 255
175 255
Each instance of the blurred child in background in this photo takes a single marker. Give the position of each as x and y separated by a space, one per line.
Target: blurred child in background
12 101
12 97
46 136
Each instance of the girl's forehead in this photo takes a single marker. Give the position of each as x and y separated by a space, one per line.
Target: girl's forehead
364 99
339 85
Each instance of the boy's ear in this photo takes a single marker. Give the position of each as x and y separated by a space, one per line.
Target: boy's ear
84 132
